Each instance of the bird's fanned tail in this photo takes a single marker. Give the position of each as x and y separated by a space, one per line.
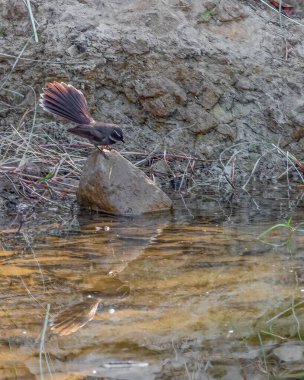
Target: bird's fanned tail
66 101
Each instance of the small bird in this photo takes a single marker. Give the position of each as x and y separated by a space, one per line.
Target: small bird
64 100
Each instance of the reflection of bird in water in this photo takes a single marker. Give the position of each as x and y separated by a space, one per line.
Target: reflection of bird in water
75 317
66 101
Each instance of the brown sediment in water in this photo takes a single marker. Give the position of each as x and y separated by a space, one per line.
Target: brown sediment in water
174 291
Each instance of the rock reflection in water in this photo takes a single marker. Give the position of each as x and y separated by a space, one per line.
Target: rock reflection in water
103 287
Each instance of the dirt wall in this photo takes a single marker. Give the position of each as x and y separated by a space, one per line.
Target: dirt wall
185 76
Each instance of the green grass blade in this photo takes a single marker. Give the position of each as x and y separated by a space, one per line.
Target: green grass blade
281 225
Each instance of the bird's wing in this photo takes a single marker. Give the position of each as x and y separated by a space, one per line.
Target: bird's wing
96 136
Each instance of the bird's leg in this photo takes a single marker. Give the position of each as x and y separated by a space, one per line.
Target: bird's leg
101 151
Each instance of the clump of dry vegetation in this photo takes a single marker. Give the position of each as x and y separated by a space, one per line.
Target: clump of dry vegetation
41 164
37 166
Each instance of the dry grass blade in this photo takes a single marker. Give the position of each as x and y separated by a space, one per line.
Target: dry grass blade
33 21
47 173
42 345
15 64
282 14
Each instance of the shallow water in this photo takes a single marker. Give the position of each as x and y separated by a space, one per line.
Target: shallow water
163 297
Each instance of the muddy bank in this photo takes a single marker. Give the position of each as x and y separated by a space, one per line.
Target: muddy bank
201 89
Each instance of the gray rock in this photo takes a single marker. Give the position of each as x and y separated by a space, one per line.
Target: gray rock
113 185
289 353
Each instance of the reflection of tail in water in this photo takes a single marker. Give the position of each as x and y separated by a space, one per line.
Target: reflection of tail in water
75 317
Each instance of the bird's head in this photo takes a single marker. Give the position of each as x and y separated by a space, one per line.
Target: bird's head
117 134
